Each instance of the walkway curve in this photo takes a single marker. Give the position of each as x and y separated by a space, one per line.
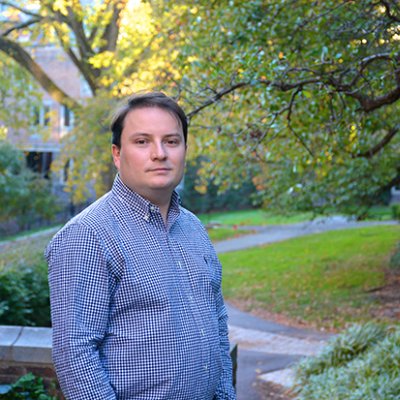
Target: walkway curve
267 350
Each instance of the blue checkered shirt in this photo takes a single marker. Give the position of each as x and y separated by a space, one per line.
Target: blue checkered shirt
136 305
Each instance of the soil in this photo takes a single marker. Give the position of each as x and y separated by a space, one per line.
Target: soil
388 297
271 391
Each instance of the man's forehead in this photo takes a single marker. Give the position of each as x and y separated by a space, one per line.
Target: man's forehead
145 117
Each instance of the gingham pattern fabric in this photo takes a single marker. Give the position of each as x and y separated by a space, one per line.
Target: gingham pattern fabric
137 309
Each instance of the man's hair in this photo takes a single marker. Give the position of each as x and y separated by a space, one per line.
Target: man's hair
144 100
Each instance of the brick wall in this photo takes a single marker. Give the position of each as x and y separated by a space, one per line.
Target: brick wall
27 349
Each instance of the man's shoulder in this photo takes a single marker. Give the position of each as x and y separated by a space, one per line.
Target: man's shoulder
190 223
189 216
95 214
89 222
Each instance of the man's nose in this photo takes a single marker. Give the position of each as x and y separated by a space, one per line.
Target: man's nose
158 152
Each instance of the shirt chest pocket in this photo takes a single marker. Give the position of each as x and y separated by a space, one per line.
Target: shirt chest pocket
202 276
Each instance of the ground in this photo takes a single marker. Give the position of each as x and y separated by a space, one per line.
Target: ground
270 391
388 297
388 308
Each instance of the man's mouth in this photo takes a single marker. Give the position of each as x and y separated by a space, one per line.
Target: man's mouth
161 169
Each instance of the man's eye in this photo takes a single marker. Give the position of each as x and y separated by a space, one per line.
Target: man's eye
141 141
173 142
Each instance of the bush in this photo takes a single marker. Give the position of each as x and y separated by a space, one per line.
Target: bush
396 211
24 296
24 195
29 387
360 364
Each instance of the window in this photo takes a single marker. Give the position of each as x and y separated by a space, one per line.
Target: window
46 115
67 116
42 115
39 162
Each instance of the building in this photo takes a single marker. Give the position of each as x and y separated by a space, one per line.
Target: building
51 121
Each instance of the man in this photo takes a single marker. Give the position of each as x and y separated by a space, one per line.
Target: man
135 284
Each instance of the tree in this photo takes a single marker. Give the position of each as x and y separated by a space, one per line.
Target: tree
301 94
306 93
18 96
119 46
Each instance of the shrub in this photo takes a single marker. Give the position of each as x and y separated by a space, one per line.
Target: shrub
360 364
396 211
24 195
29 387
24 296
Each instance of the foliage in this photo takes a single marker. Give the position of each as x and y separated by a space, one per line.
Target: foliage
311 117
18 97
24 293
29 387
24 195
396 211
321 280
362 363
208 197
314 116
24 296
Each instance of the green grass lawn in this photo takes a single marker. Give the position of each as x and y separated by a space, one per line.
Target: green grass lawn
222 233
253 218
27 251
319 279
256 217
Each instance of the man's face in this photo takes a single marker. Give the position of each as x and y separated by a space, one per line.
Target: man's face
151 159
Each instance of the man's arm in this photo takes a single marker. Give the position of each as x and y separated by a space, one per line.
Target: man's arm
225 389
80 301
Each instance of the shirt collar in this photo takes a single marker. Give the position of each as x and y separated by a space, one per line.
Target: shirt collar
141 205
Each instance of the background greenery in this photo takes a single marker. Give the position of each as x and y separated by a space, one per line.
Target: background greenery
302 98
321 280
25 196
361 363
24 293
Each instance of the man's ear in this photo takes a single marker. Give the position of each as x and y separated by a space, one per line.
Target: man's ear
116 153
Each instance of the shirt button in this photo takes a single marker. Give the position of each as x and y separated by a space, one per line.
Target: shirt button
190 297
179 264
206 367
203 333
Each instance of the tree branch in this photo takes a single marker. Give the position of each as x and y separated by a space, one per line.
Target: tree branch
18 8
111 31
393 182
22 57
21 26
369 104
219 95
388 10
379 146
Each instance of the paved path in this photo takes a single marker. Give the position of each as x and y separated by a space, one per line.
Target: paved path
267 349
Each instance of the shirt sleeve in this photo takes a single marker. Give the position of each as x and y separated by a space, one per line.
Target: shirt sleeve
80 301
225 389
